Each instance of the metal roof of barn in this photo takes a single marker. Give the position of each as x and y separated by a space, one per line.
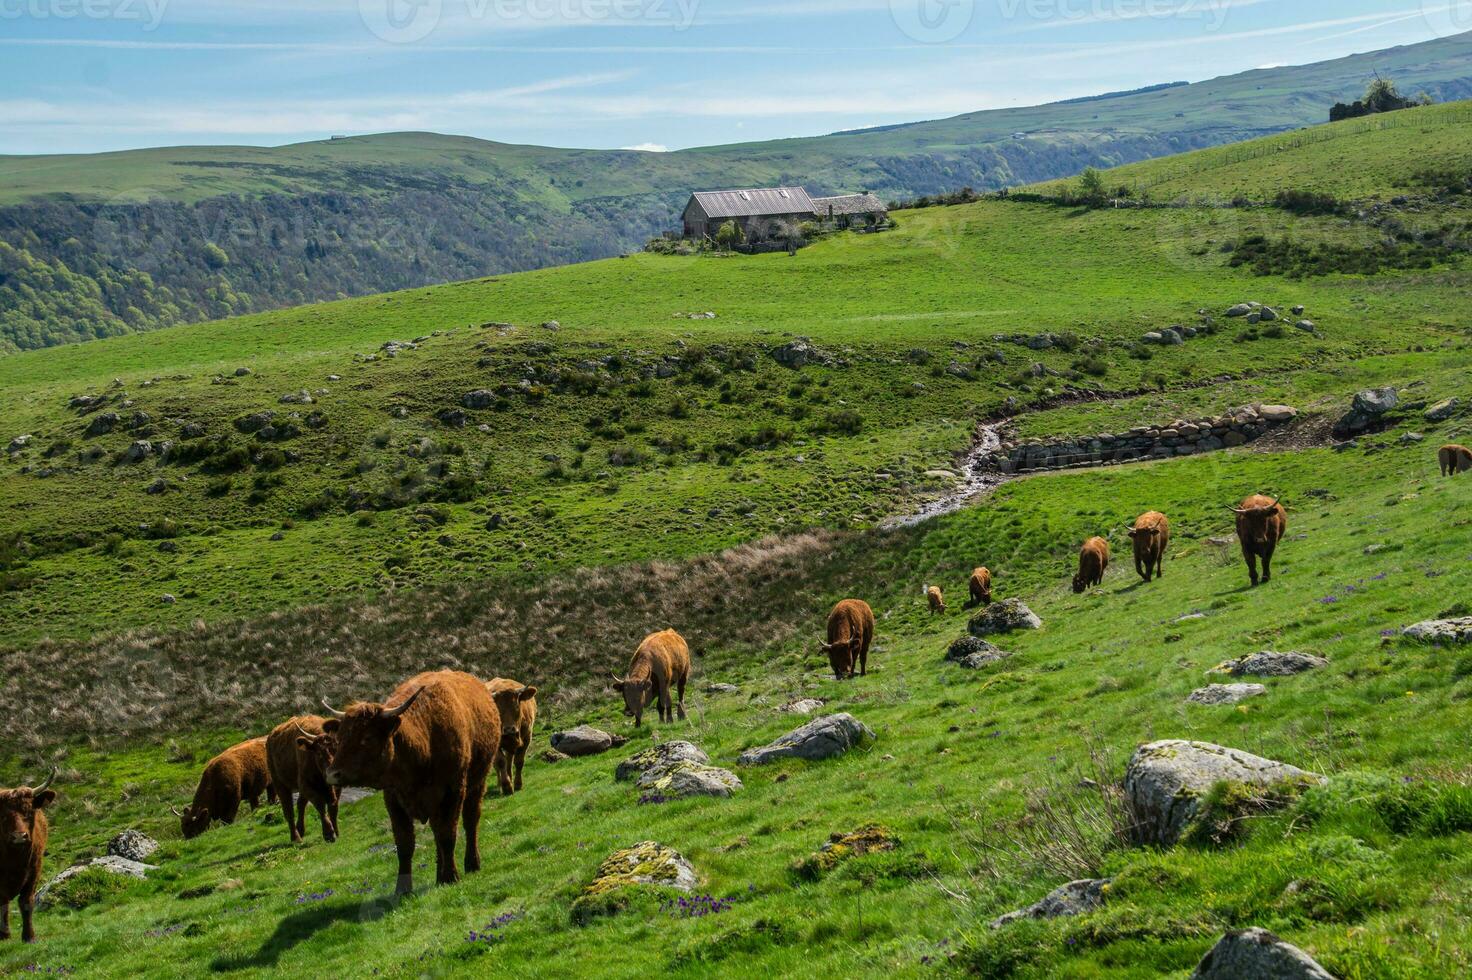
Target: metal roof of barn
848 204
755 201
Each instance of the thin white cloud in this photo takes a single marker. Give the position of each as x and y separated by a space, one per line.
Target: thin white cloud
647 148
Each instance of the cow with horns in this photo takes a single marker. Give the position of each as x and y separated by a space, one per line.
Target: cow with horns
23 833
1261 524
429 748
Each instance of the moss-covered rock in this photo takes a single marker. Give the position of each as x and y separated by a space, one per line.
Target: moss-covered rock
647 865
872 839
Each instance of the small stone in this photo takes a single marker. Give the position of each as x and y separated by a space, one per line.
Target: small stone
802 706
1270 663
974 653
582 740
721 689
1074 898
551 325
242 372
302 397
133 845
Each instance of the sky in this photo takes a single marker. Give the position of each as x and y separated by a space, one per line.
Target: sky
93 75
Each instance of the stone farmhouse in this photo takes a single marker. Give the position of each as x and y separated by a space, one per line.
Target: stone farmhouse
766 213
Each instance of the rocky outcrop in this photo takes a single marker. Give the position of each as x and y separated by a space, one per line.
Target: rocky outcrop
1270 663
1074 898
133 845
1166 782
873 839
1258 954
821 738
657 756
800 352
1443 410
645 864
1006 616
1368 412
1441 630
677 780
112 864
1182 437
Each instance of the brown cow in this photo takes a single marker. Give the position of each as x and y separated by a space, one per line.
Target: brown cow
429 747
850 631
239 773
1261 523
661 660
1454 459
1150 534
933 596
1093 558
517 705
981 587
299 754
23 833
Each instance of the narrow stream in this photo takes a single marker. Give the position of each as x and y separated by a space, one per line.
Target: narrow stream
975 479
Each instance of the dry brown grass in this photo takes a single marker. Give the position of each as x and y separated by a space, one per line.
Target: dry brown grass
561 634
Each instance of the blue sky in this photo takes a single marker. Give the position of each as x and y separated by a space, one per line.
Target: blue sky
87 75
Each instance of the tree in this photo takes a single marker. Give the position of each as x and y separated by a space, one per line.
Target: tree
1091 187
727 235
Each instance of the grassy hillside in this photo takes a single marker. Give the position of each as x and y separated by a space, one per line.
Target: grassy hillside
634 469
99 245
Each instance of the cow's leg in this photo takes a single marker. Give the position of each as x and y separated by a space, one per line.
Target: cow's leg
1249 556
1160 565
27 906
332 813
403 826
291 827
681 702
329 825
470 819
5 919
666 704
503 773
301 815
445 826
520 761
863 660
1267 561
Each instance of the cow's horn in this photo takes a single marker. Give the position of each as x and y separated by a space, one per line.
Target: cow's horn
334 711
47 784
395 712
616 679
308 735
175 811
1237 510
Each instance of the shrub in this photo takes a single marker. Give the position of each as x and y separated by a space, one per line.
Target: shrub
845 422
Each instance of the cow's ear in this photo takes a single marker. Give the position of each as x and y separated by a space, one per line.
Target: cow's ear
303 742
527 693
331 725
44 799
616 685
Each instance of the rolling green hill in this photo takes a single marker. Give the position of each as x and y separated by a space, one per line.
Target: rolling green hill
112 243
627 468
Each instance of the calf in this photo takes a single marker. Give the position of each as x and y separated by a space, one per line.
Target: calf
933 596
299 755
429 747
1261 523
1093 558
661 660
517 705
23 833
850 631
981 587
1454 459
1150 535
239 773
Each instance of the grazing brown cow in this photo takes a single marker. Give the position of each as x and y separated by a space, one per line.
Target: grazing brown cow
981 587
23 832
1093 558
299 754
1150 534
429 747
661 660
1454 459
517 705
933 596
239 773
850 631
1261 523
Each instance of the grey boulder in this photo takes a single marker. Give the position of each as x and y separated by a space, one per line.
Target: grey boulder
1074 898
1258 954
1004 617
1270 663
133 845
584 740
1441 630
1225 693
974 653
681 779
800 352
1443 410
821 738
112 864
1166 781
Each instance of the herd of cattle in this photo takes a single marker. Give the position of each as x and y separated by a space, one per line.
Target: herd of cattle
431 745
